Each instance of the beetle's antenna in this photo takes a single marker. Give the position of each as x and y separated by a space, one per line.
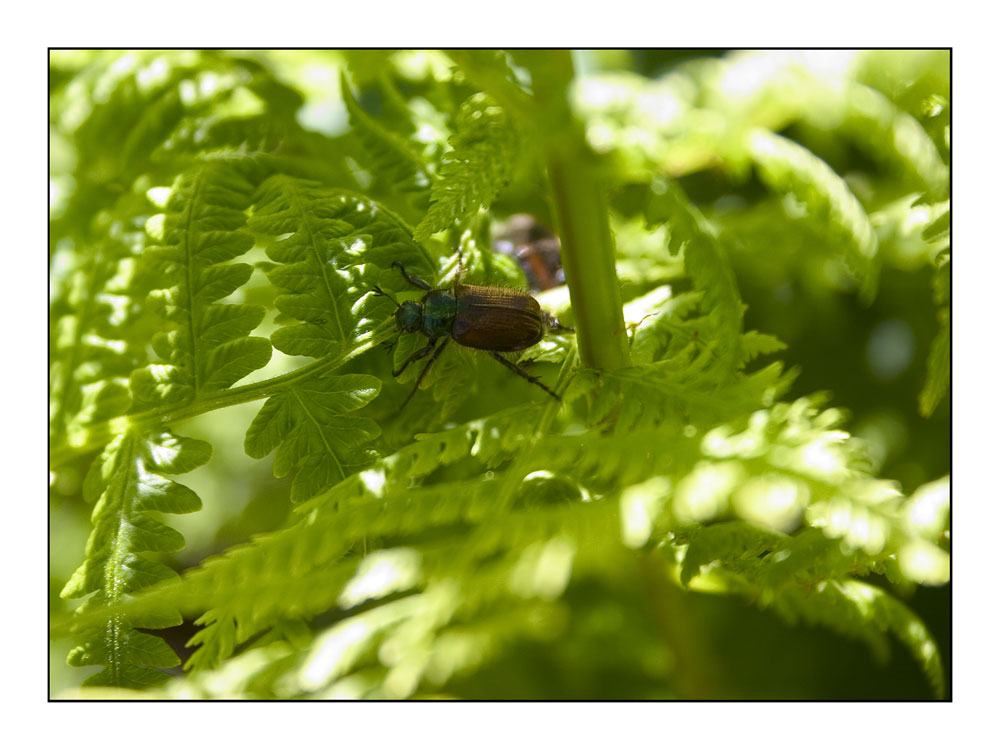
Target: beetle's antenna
383 294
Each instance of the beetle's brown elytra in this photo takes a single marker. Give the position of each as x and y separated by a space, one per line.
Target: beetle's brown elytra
497 319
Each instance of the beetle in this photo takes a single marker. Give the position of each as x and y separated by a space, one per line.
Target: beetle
490 318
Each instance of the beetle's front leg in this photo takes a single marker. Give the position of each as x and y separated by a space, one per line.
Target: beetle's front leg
420 378
419 354
419 283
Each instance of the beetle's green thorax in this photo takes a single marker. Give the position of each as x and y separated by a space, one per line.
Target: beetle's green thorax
440 307
409 317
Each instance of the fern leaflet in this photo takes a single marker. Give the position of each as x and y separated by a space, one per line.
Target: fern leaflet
320 235
208 349
787 166
709 269
127 486
306 423
480 164
391 154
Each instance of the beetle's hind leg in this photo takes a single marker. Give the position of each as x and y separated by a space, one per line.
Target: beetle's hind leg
552 323
530 378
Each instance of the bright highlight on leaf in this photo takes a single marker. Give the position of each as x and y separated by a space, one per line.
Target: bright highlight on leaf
641 505
380 574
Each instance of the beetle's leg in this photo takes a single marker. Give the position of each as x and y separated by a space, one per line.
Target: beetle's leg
423 372
523 374
419 283
419 354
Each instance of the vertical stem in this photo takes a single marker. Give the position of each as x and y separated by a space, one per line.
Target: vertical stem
588 261
581 212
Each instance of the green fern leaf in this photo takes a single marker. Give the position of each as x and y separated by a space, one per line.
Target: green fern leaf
392 156
755 344
93 341
709 268
940 227
939 360
938 366
126 485
208 349
735 545
306 424
490 71
860 610
508 541
321 235
889 133
788 167
481 162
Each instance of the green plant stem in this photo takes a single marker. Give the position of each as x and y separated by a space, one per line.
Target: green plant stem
588 261
99 434
581 210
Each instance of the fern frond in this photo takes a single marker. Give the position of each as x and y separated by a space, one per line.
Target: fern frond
305 571
939 360
208 349
391 155
321 235
926 95
755 344
890 134
96 339
126 485
788 465
805 577
788 167
306 424
490 71
928 510
860 610
647 125
709 268
481 162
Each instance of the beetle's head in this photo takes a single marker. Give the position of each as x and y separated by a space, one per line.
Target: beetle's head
410 317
